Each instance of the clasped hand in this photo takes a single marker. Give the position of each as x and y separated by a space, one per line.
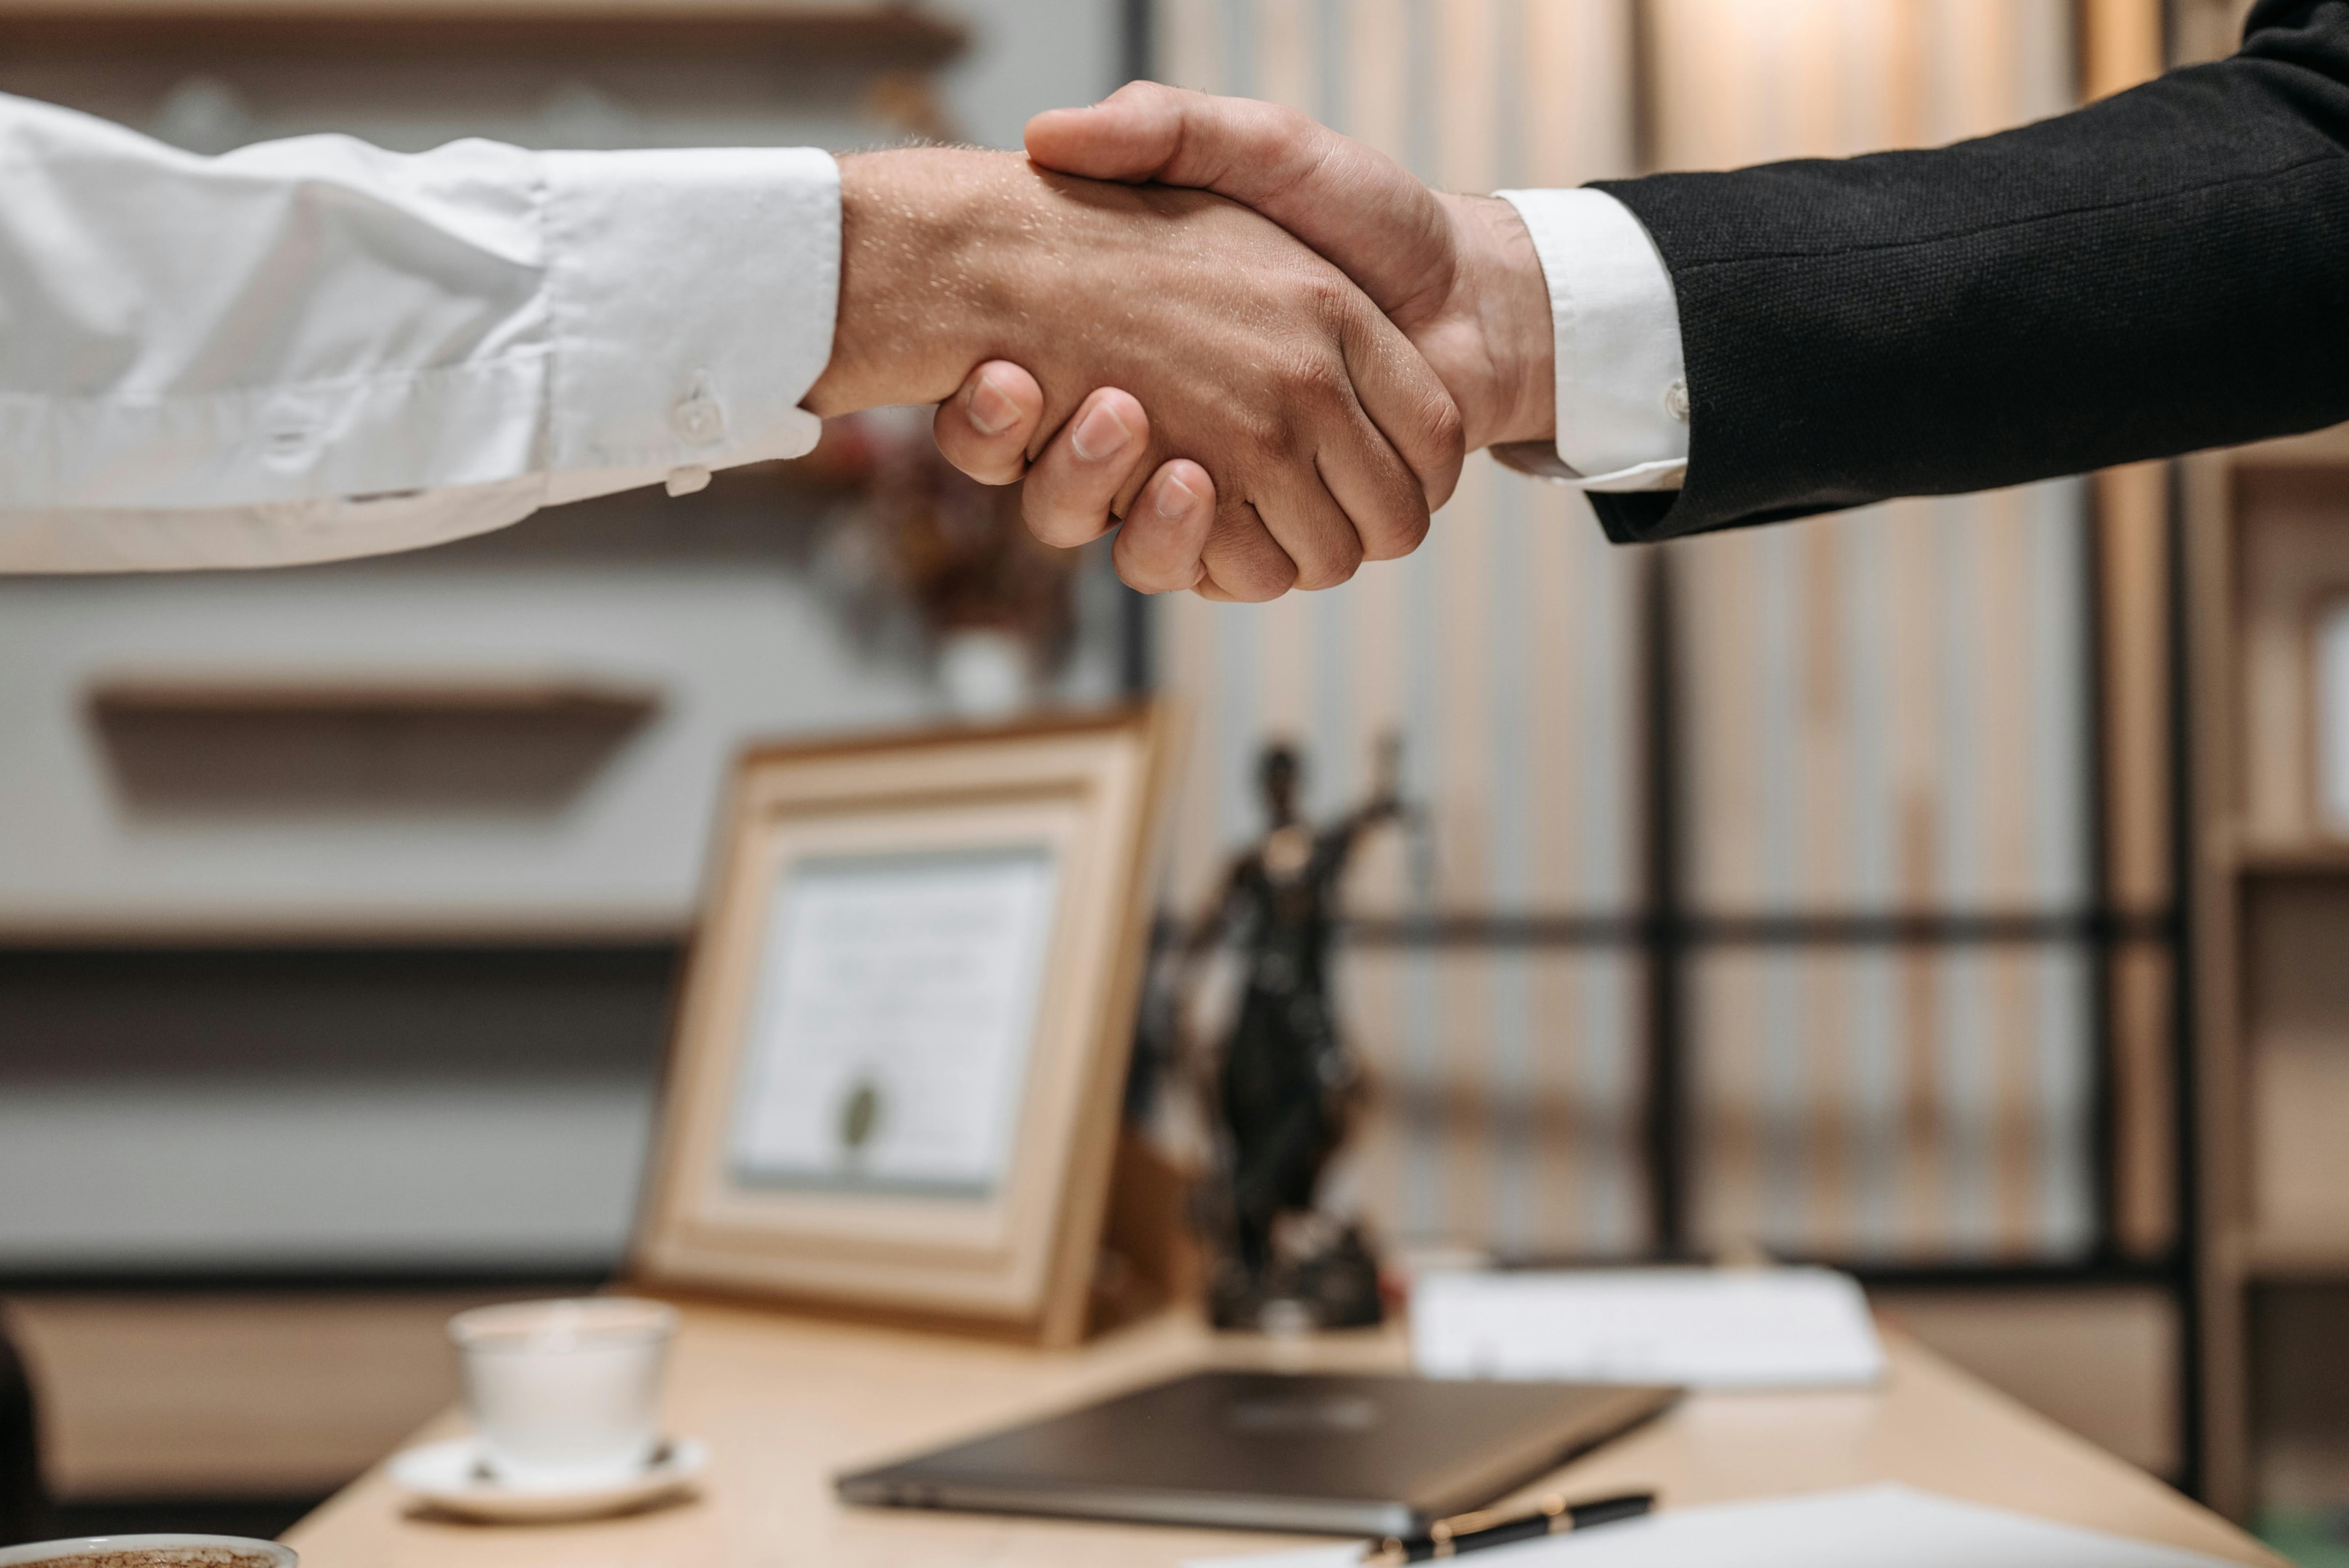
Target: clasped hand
1261 345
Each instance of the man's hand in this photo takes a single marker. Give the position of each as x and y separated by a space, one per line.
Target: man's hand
1458 275
1321 437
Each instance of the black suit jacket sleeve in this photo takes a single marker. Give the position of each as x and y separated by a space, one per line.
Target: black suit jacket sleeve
2162 271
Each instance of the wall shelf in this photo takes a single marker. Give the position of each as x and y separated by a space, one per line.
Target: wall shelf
515 695
904 36
2283 1256
2306 860
438 743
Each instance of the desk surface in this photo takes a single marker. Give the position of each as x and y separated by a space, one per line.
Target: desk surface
784 1402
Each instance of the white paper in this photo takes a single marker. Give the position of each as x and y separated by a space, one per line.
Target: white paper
897 1004
1872 1527
1699 1328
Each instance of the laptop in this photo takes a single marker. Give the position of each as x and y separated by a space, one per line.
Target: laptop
1331 1454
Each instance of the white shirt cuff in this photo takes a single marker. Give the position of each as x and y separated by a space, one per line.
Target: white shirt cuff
1622 390
693 294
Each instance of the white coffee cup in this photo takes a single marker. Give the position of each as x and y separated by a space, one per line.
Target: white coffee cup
152 1551
565 1394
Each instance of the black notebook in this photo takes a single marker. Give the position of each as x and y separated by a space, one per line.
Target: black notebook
1259 1451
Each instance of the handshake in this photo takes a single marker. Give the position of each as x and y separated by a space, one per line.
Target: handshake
1263 347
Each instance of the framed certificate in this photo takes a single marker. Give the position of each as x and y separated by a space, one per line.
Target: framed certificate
895 1074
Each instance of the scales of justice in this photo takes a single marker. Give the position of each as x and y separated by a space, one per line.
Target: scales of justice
1282 1090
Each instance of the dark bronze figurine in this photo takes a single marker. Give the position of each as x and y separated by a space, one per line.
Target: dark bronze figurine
1285 1084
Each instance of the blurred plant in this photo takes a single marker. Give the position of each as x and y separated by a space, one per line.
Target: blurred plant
908 533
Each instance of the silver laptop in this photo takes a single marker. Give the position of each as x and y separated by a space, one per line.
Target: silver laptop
1339 1455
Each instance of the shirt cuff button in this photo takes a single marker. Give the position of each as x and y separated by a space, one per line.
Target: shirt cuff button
1676 401
696 418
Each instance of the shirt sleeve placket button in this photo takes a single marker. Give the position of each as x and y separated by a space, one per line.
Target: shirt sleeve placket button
698 420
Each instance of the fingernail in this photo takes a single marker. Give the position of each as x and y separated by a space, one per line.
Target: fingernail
1100 434
1174 498
991 407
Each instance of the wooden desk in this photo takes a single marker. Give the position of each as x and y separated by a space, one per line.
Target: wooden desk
784 1402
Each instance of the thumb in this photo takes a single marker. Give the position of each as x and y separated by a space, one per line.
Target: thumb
1133 135
1360 209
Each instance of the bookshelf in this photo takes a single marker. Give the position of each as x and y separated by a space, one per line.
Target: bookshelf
2266 543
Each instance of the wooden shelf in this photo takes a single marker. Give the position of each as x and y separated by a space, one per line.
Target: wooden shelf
2279 1256
361 745
905 37
2318 858
518 696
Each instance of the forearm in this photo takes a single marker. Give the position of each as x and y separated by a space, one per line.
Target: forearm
2164 271
914 294
316 349
950 257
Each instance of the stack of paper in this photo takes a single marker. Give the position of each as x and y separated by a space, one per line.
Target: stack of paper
1699 1328
1874 1527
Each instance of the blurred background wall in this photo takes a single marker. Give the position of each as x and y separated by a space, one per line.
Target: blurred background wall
413 947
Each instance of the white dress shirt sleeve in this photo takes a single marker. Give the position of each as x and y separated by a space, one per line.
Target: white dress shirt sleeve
1622 390
312 348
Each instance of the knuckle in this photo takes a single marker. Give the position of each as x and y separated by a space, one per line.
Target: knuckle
1445 432
1284 128
1252 590
1327 294
1396 535
1268 430
1251 572
1336 564
1313 380
1324 378
1268 576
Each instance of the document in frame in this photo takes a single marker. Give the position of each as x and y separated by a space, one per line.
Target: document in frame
891 1026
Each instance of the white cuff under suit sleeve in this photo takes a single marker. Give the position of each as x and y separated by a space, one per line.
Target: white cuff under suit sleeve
1622 392
312 348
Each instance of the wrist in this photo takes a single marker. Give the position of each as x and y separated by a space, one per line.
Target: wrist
1505 350
906 328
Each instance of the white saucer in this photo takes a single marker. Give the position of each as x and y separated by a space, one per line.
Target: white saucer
452 1476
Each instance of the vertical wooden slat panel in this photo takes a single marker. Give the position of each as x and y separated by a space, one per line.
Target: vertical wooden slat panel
1188 36
1873 700
1502 652
2121 43
1287 56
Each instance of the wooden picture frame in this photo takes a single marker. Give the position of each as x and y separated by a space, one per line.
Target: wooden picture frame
920 1121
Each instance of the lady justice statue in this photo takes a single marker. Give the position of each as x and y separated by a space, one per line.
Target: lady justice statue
1284 1085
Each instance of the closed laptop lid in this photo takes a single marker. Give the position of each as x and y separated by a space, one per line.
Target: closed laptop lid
1326 1452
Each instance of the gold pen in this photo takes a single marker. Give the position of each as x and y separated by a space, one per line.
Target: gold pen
1553 1515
